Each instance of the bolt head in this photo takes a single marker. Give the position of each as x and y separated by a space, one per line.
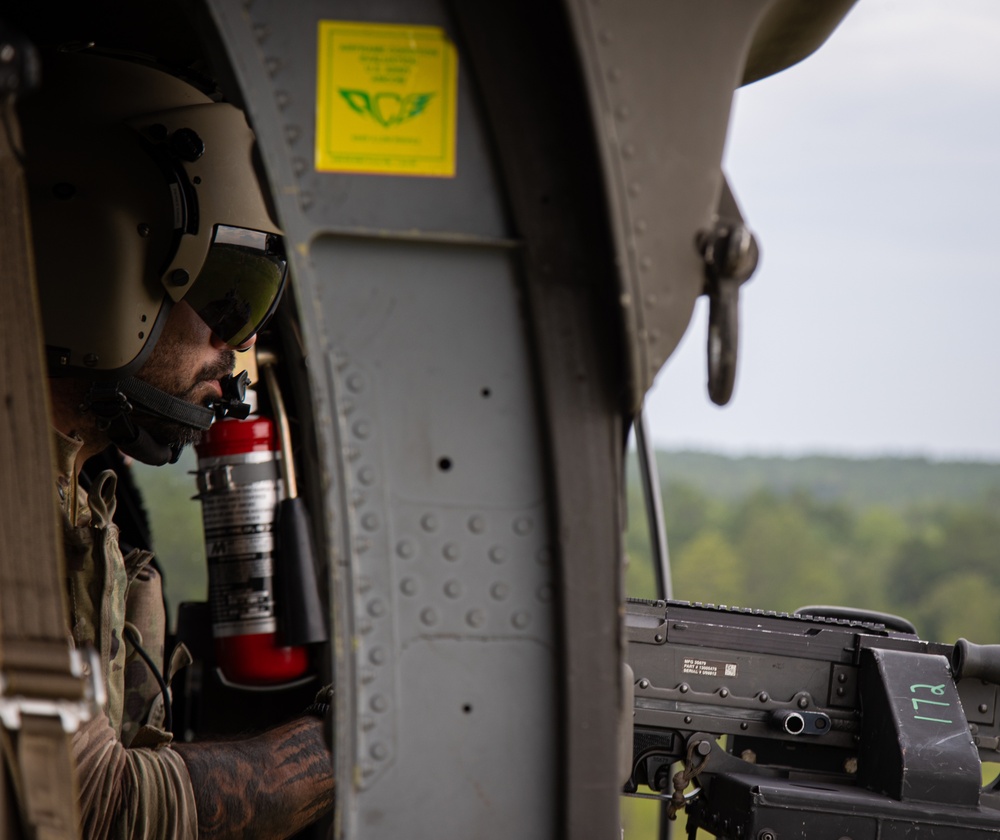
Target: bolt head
187 145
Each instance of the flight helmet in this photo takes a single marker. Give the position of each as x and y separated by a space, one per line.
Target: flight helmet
142 193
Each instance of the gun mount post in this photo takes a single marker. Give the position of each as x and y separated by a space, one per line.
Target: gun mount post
915 736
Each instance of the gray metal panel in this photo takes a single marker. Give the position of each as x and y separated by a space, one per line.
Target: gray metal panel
284 39
534 99
430 460
452 575
660 79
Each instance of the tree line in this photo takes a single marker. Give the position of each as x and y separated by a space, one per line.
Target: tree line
935 563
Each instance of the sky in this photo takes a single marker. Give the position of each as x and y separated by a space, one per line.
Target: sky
870 174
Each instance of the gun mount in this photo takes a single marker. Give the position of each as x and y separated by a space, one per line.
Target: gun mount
796 726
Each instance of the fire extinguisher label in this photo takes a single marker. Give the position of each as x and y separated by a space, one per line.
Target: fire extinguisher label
239 542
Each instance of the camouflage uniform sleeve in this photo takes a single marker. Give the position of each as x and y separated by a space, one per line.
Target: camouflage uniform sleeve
131 793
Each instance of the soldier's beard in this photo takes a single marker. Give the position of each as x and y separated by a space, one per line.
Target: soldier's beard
164 377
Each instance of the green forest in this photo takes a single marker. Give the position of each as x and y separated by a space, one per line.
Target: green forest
907 536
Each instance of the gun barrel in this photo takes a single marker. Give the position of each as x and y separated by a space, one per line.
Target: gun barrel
801 723
792 722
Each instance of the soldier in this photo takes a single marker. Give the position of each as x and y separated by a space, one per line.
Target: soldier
157 261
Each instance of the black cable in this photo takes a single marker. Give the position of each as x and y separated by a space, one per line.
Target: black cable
168 715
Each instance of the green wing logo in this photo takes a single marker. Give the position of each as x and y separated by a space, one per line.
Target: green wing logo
387 109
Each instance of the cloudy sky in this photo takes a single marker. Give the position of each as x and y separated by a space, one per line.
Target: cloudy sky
871 175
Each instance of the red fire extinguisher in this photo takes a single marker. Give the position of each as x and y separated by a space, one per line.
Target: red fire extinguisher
240 490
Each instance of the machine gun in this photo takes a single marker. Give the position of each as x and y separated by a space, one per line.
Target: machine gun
811 726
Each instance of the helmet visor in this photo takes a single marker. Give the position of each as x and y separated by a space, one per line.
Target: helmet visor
240 284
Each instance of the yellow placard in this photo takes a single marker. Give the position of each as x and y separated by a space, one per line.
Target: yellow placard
385 101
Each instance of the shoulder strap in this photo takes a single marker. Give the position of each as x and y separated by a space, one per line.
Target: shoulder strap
45 692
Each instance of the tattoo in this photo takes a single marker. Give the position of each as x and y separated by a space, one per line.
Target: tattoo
269 786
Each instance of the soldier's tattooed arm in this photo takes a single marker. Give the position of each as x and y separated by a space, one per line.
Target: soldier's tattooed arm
268 786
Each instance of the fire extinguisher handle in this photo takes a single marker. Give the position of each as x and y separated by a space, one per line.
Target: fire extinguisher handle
302 620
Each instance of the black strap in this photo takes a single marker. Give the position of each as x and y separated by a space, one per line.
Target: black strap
154 401
114 403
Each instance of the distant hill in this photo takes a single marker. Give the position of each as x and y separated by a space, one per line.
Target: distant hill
893 482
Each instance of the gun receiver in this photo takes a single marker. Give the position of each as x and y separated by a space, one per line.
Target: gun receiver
794 726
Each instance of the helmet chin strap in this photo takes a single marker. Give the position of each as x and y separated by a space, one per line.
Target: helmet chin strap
116 404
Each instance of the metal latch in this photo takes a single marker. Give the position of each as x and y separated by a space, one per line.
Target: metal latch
730 252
